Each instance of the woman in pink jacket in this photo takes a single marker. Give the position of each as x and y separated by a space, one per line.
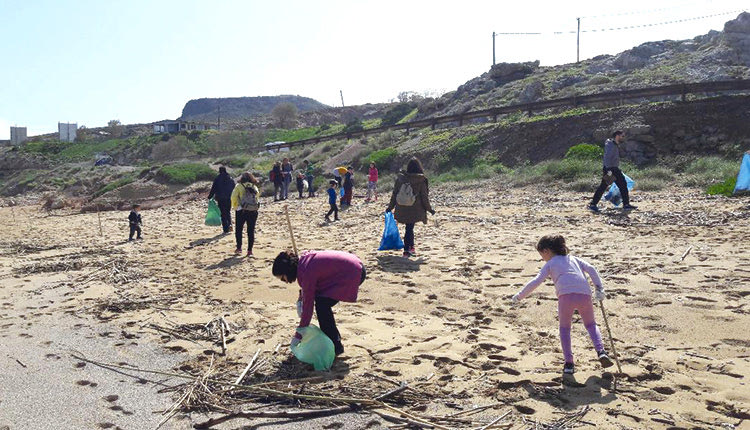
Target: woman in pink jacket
573 293
325 278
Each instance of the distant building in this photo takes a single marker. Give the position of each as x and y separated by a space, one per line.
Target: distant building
67 131
17 135
176 126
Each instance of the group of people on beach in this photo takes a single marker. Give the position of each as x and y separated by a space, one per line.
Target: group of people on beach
327 277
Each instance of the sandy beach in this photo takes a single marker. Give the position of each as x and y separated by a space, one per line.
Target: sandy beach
676 272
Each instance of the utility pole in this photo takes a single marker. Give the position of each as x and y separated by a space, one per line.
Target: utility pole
218 126
342 97
578 41
493 48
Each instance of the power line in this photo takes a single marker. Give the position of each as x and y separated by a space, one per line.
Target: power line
640 12
629 27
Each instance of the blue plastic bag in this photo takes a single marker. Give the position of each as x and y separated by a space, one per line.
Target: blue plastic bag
315 348
341 191
391 239
613 195
743 178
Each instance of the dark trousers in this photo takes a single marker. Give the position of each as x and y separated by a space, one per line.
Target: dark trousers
299 190
621 184
310 192
225 206
326 321
277 191
409 237
347 196
334 210
242 217
135 228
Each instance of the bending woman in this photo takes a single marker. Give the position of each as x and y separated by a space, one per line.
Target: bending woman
325 278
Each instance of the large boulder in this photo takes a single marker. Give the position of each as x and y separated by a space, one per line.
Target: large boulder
502 73
737 36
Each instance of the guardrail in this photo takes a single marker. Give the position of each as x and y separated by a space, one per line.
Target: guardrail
612 96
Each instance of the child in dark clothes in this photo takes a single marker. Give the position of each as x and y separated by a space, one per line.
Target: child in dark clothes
135 222
300 184
332 201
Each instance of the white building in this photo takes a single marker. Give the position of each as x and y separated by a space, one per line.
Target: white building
67 131
17 135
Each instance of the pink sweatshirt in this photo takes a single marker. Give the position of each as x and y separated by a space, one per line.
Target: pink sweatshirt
373 177
332 274
567 272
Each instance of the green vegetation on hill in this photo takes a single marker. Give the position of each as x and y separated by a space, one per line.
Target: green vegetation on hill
186 173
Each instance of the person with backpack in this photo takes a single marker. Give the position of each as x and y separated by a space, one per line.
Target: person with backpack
286 171
612 173
277 179
325 278
411 200
222 190
246 202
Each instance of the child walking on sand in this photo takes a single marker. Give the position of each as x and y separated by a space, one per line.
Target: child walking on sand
573 293
332 201
135 222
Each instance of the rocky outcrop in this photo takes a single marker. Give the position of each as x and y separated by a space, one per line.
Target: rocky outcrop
242 107
502 73
737 36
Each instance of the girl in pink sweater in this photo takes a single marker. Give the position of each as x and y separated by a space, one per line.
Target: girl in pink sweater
573 293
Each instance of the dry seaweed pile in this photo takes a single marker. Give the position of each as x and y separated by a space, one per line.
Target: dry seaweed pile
678 218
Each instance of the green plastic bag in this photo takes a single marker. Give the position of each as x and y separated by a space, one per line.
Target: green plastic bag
213 216
315 348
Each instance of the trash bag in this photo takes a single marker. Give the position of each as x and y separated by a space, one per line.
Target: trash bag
391 239
341 191
743 178
613 195
315 348
213 215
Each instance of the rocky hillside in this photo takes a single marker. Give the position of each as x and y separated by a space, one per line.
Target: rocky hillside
714 56
233 108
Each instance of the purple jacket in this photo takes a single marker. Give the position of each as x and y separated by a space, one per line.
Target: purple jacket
332 274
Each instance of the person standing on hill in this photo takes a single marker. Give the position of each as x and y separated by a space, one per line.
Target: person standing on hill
372 183
246 202
222 191
332 201
411 200
286 170
278 181
309 169
612 173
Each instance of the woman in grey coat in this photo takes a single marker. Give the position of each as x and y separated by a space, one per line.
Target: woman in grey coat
411 199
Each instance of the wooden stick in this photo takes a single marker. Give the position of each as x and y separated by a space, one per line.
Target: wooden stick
685 254
98 215
223 339
291 232
249 365
611 342
274 414
495 421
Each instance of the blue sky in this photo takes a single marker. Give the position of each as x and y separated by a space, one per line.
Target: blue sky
141 61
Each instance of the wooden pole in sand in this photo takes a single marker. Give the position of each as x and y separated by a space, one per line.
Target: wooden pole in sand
611 340
291 232
98 215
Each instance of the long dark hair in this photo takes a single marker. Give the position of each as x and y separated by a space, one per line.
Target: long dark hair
248 177
414 166
553 242
286 264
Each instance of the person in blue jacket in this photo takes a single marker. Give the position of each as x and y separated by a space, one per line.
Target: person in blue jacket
332 201
222 191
